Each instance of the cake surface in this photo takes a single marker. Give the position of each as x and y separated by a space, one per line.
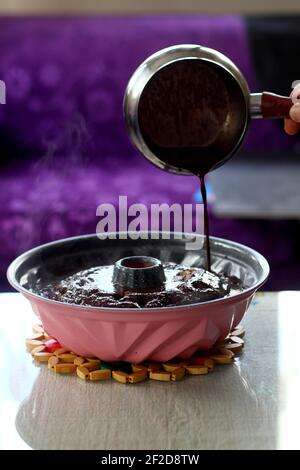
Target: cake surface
183 286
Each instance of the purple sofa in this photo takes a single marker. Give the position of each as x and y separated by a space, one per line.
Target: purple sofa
64 148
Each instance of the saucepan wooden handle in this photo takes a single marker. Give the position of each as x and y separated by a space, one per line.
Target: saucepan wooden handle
269 106
275 106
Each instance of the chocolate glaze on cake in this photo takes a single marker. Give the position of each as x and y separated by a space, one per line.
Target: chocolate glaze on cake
94 287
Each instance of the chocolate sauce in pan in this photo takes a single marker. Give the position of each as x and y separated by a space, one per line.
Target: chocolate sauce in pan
95 287
182 112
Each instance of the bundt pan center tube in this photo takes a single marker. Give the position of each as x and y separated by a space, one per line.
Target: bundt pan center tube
138 273
137 334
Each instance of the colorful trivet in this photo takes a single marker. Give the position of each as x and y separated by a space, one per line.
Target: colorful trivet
46 349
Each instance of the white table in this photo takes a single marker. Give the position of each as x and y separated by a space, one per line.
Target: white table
253 404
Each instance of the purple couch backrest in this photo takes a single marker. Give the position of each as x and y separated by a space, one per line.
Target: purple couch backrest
65 77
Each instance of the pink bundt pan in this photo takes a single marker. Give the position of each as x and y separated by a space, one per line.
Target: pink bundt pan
135 335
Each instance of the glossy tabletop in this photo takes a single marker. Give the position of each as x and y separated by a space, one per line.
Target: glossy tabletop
252 404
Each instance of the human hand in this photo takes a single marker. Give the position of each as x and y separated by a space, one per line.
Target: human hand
292 125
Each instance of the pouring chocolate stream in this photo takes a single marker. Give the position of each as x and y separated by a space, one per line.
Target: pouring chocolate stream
180 114
187 109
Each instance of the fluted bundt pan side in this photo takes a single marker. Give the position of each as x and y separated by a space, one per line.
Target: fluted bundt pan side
137 334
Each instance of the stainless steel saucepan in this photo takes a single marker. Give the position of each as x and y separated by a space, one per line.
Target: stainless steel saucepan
188 107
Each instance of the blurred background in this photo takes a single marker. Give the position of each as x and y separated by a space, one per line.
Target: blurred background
63 145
